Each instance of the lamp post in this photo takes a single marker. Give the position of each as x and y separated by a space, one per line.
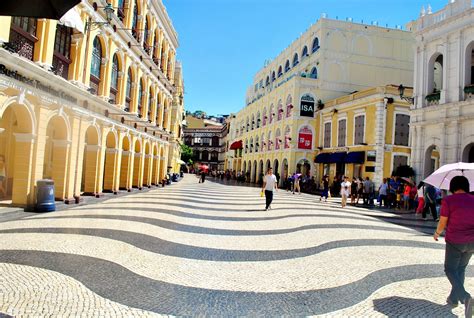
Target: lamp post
401 90
109 11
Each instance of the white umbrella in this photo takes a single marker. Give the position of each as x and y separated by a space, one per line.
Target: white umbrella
181 162
73 20
441 178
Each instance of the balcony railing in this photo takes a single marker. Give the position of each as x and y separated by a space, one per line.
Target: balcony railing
61 65
21 42
469 92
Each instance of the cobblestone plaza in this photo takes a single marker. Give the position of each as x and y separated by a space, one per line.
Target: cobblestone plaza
210 250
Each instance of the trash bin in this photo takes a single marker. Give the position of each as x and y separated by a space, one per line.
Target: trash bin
45 196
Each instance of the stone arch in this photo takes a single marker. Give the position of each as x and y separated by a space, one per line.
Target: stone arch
260 173
125 166
435 73
303 166
284 169
57 151
468 153
156 165
254 172
111 163
469 65
148 164
90 161
17 127
244 167
432 162
138 164
275 167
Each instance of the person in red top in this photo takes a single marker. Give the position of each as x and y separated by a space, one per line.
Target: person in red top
457 216
406 197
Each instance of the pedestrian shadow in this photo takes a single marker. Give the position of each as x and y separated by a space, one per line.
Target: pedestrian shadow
411 307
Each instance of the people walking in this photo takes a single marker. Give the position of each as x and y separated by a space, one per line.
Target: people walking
353 191
325 193
360 189
345 191
297 187
366 190
203 177
269 185
430 202
383 192
457 216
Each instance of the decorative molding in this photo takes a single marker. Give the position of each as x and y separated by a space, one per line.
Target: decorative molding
93 148
62 143
19 137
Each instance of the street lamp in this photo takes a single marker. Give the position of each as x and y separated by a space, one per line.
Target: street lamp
401 90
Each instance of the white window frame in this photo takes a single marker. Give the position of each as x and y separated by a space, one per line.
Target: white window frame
395 113
357 114
338 123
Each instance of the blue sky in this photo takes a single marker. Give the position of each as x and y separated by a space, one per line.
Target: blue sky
223 43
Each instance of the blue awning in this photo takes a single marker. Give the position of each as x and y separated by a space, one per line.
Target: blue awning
338 157
322 158
356 157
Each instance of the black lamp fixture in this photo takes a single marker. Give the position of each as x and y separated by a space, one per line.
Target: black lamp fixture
401 90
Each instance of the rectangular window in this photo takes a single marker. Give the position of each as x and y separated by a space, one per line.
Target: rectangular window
399 161
359 134
369 169
402 129
341 135
327 135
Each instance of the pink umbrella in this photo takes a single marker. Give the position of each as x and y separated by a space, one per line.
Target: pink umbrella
441 178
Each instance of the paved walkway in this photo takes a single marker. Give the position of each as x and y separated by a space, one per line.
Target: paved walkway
209 249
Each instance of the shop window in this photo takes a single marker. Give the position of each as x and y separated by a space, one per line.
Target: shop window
399 161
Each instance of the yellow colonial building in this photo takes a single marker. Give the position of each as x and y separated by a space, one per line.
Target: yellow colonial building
365 134
333 58
95 109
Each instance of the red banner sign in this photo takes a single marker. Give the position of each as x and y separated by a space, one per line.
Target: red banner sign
305 139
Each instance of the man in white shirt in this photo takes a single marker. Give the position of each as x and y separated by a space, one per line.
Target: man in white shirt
345 191
269 185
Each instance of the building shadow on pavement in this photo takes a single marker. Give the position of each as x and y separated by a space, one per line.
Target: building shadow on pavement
411 307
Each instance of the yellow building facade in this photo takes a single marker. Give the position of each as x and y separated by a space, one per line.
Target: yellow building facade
365 134
278 128
96 111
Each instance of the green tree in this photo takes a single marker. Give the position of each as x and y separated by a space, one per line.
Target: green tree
186 153
403 171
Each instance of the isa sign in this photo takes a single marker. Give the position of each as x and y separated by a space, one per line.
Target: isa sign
307 108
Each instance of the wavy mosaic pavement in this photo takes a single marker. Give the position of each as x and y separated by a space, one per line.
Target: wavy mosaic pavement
210 250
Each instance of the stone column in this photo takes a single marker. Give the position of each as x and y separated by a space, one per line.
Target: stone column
111 160
92 161
23 182
60 163
380 140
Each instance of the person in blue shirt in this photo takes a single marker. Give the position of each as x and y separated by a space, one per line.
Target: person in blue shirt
430 202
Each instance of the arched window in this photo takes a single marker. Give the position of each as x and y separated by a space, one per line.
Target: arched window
269 141
305 52
280 72
150 97
295 60
315 45
114 80
278 139
135 22
287 66
289 106
273 76
146 34
62 48
267 81
257 144
262 143
156 49
121 9
258 120
271 114
251 145
264 117
280 111
128 92
140 95
96 64
287 137
314 73
205 155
